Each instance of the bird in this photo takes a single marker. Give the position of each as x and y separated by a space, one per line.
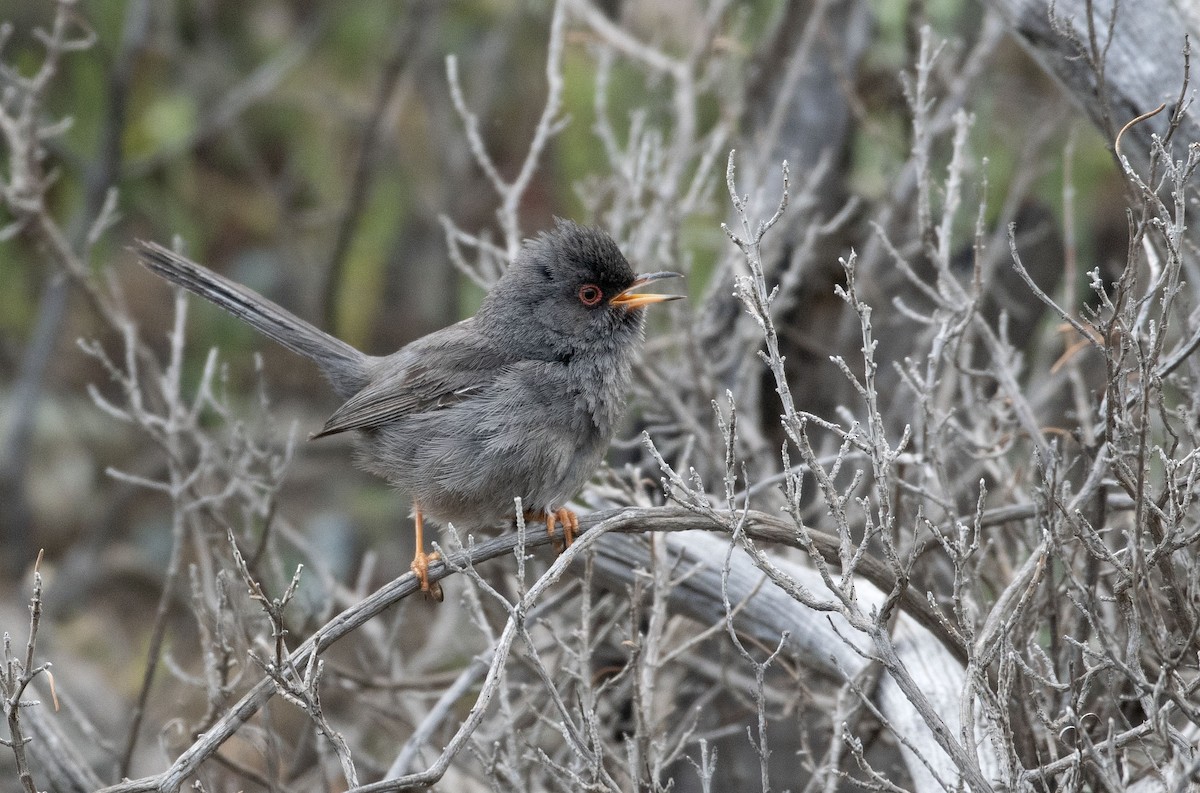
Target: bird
520 400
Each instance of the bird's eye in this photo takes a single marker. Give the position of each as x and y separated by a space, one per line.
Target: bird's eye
590 294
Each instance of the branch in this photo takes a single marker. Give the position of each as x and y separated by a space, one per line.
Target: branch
628 520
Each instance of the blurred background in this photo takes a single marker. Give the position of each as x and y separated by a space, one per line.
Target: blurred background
312 150
309 150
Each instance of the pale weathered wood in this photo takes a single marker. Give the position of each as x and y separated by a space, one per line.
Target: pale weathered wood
1143 66
1141 54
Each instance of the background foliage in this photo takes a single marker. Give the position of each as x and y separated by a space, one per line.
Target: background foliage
318 152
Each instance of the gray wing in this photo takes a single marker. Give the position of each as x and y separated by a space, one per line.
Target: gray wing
432 372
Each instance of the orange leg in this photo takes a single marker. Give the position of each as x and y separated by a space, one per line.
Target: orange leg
568 519
570 524
420 562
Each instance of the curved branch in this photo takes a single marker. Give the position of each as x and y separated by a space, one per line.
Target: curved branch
759 526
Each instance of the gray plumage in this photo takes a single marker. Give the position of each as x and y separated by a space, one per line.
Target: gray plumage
520 400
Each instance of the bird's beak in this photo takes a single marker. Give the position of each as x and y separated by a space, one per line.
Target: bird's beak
628 299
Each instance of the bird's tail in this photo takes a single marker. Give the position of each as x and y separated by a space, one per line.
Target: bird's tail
343 366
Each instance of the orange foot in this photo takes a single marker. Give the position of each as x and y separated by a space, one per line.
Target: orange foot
420 568
568 519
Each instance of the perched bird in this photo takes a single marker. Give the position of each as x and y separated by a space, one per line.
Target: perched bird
519 400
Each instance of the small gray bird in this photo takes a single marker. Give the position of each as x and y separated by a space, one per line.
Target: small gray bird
519 400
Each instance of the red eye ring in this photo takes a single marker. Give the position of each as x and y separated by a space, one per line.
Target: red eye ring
590 295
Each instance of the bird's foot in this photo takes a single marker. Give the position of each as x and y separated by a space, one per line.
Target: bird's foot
569 521
420 568
570 524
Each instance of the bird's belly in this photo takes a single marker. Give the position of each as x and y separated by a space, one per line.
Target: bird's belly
462 467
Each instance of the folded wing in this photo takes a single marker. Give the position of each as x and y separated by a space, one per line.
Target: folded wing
435 371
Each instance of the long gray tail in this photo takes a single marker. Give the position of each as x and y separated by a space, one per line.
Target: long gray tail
344 367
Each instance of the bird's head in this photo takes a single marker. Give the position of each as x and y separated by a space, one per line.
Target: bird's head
571 290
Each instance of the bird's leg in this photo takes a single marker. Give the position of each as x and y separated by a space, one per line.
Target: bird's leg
570 524
420 562
568 519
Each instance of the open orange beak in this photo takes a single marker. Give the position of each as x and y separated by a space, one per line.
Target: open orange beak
629 299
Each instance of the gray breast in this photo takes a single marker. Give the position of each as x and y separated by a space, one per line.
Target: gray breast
538 432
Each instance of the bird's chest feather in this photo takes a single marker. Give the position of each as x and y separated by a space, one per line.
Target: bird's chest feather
599 385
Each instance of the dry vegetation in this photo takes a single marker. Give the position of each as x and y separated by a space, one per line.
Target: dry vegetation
908 495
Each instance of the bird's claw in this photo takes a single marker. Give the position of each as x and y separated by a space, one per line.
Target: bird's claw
420 568
570 527
569 521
